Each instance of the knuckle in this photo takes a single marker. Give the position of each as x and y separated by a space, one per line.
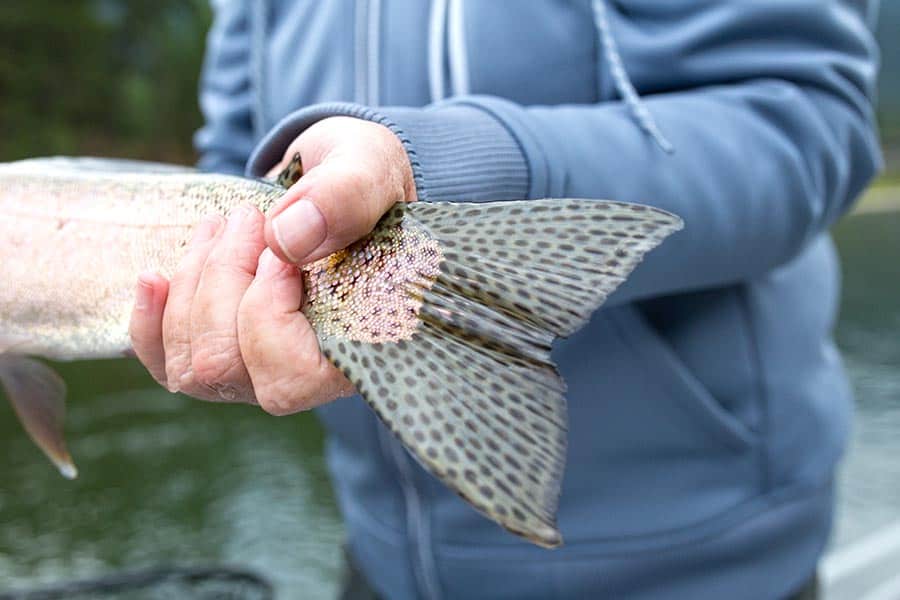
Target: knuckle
272 404
279 399
269 407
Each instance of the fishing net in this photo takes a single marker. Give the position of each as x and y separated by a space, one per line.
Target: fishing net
156 584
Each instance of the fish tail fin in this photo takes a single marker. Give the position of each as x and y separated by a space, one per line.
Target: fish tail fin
37 394
473 393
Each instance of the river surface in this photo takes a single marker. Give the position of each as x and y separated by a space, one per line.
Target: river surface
869 336
165 480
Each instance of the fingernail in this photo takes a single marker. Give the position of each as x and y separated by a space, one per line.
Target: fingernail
268 264
144 293
236 218
299 230
206 229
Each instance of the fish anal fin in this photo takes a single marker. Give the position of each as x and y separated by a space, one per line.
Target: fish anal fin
37 394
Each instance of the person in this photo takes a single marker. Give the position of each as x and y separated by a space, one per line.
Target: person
708 404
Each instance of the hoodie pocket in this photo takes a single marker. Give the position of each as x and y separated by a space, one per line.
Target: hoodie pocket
680 384
655 457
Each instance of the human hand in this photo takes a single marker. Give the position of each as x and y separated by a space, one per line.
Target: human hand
354 171
227 326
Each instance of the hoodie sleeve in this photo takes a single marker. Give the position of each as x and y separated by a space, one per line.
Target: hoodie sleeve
226 92
768 105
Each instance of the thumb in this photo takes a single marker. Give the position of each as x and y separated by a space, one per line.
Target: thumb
331 207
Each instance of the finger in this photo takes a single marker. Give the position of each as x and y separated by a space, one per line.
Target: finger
177 316
332 206
279 346
228 271
146 324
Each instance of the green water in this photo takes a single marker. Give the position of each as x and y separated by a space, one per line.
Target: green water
869 335
165 480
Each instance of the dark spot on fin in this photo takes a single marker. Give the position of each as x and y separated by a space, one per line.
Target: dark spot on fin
550 271
441 383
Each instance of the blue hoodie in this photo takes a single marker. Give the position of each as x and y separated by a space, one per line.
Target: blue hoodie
708 405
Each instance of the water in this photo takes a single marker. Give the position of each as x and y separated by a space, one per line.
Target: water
869 335
166 480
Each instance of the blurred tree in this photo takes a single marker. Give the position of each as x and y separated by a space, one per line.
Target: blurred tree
104 77
119 77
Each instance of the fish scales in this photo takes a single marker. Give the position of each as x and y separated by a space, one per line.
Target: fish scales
72 244
442 317
368 291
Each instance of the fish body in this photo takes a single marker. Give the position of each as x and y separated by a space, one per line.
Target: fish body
73 240
442 317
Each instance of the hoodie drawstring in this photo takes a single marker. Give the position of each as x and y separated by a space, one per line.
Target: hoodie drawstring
447 44
436 33
367 52
623 84
456 42
447 34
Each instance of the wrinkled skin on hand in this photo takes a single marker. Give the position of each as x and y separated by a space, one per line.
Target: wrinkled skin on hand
226 327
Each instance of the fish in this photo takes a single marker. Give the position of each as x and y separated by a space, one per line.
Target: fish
442 317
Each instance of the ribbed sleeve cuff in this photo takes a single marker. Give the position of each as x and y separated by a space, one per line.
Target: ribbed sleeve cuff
457 152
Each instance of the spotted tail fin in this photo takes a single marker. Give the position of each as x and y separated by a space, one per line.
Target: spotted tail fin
472 392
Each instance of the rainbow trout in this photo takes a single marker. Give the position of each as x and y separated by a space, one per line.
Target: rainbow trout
442 317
